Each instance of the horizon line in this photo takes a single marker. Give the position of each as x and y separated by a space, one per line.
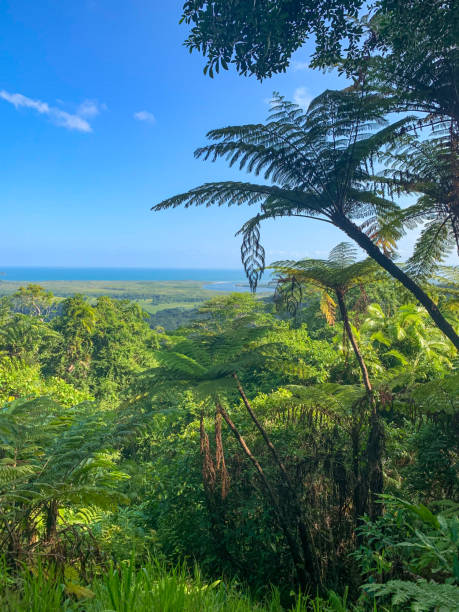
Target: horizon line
35 267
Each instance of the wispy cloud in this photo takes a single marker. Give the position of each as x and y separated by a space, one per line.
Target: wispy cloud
70 121
299 66
145 116
302 97
275 254
90 108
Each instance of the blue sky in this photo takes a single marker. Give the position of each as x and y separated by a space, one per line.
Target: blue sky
101 108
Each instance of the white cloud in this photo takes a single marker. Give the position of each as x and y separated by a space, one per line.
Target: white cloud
19 100
145 116
90 108
69 121
299 66
59 117
302 97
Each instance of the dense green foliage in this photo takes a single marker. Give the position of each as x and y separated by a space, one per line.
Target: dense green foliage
259 38
242 442
169 303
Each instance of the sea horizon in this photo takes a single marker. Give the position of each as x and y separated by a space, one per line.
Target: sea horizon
118 273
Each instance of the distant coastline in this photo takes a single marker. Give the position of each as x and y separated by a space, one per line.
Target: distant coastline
42 274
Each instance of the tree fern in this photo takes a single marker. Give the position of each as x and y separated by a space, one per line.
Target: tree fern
337 275
320 163
55 457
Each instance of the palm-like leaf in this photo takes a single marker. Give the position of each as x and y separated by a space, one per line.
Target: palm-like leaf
428 168
316 160
321 163
339 273
336 275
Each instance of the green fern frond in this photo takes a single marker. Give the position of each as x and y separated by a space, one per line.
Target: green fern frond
422 596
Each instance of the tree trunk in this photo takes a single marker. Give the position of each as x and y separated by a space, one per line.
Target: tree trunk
375 451
454 206
51 520
262 430
302 573
368 491
306 537
385 262
350 335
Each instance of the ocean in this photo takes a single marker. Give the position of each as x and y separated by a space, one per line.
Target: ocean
37 274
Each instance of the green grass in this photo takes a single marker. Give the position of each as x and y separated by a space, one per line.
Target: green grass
151 588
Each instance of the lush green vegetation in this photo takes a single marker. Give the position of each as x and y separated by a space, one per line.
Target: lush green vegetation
153 296
296 453
243 443
170 304
160 292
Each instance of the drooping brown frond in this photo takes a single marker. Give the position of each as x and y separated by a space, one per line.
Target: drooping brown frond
220 456
208 467
288 294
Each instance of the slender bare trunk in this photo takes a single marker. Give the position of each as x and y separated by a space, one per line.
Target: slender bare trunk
263 432
367 492
307 540
302 573
350 335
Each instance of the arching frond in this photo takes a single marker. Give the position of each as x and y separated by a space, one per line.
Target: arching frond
343 254
180 364
339 272
430 168
316 158
231 193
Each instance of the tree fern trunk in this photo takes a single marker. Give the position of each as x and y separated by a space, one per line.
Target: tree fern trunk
385 262
368 491
302 572
306 538
350 335
51 520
